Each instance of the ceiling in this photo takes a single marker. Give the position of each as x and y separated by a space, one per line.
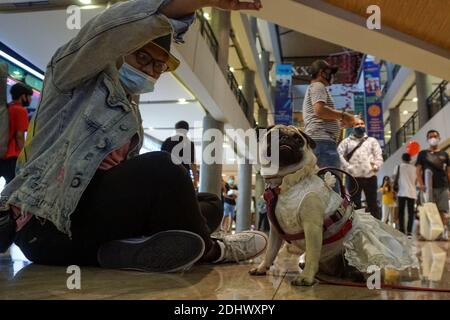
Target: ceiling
302 50
427 20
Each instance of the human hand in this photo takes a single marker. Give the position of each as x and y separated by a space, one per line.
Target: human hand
422 188
347 120
235 4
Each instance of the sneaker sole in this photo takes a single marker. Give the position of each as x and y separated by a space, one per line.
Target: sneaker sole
167 251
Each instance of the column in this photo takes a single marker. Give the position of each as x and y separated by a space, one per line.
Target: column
394 120
259 183
211 174
221 26
424 90
248 91
243 217
265 62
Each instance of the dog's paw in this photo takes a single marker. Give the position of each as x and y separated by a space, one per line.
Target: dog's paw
258 271
330 180
303 281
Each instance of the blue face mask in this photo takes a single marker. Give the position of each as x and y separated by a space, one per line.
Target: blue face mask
231 181
135 81
359 131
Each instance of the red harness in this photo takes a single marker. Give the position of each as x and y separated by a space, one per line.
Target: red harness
271 198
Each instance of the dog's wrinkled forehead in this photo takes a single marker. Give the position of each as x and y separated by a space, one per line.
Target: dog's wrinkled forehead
292 133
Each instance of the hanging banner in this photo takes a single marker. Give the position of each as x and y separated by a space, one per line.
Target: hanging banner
374 107
349 64
283 96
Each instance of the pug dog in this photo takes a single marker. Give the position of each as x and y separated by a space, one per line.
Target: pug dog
311 216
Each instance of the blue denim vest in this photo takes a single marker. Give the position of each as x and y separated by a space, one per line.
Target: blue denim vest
84 113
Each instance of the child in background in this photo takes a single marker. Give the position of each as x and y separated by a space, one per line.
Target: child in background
388 201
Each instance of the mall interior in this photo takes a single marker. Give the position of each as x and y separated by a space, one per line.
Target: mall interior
227 80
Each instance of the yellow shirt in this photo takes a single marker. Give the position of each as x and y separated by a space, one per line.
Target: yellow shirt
388 197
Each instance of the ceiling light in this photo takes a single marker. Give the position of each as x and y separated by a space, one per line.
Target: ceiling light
231 69
415 99
85 1
206 16
182 101
405 112
17 73
240 87
151 128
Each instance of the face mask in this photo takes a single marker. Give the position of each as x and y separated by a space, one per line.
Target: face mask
135 81
26 102
434 142
359 131
231 181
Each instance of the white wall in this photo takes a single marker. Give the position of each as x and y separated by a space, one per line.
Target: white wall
439 122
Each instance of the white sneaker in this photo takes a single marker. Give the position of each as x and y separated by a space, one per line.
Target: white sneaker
242 246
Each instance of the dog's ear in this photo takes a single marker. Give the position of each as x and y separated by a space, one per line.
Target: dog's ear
309 140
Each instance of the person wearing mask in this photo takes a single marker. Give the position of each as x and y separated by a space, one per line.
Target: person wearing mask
18 124
387 201
229 206
82 194
438 162
362 157
180 143
322 120
405 183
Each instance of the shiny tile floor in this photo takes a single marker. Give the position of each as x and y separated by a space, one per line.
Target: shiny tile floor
20 279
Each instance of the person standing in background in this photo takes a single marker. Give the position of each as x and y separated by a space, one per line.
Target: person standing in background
18 124
387 201
361 156
230 197
187 160
405 183
438 162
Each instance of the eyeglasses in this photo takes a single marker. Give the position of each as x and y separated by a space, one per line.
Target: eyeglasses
144 59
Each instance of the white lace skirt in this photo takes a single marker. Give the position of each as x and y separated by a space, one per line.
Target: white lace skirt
372 242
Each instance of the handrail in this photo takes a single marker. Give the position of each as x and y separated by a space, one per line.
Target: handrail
207 32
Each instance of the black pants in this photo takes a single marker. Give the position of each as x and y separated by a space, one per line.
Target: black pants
402 203
370 188
8 168
139 197
263 224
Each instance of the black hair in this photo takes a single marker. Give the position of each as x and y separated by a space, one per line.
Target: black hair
182 125
20 89
433 131
406 157
390 183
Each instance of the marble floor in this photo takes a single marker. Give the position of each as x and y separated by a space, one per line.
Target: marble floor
20 279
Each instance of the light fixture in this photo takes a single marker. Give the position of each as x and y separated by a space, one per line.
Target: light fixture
21 65
206 16
240 87
85 1
182 101
415 99
151 128
405 112
231 69
17 73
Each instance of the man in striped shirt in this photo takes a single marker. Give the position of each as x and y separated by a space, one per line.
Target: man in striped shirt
322 121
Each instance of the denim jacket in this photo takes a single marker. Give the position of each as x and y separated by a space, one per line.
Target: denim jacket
84 113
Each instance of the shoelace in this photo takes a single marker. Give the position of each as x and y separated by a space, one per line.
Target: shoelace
235 249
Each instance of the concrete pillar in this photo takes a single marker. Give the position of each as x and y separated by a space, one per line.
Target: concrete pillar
211 174
221 26
243 217
394 120
253 26
265 62
424 90
259 181
390 73
249 93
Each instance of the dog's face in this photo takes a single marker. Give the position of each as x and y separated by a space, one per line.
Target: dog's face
292 143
